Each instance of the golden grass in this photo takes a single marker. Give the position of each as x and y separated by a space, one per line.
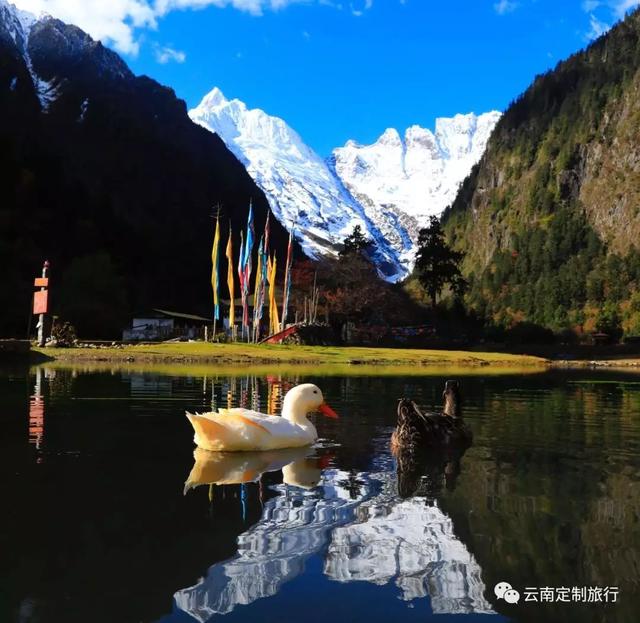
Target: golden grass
341 360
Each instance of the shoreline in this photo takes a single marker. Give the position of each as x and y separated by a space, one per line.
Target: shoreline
320 359
244 355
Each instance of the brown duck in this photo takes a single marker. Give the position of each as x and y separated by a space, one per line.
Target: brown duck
417 429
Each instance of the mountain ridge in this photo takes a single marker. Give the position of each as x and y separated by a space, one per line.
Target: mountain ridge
552 211
331 194
107 175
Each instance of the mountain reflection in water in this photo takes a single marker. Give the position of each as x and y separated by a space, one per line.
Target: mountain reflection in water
355 521
94 464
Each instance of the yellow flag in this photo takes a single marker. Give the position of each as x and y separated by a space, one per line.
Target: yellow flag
230 282
274 321
214 270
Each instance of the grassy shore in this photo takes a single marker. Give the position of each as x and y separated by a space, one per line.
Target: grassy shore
244 355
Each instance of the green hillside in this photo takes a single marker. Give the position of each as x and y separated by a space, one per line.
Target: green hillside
550 218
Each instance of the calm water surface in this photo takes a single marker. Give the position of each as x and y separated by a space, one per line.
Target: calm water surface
109 515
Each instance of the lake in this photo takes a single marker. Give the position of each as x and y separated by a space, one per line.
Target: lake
108 514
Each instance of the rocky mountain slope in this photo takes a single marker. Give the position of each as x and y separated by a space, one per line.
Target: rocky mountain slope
417 175
301 189
550 218
103 173
388 188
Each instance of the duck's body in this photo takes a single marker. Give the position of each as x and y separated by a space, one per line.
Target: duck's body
232 468
417 429
243 430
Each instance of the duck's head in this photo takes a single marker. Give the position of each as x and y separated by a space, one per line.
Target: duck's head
304 399
304 473
452 399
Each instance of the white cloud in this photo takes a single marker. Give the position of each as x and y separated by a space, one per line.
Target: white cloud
597 28
621 7
505 6
615 9
359 11
166 54
113 21
117 22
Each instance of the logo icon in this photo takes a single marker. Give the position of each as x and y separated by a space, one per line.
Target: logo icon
504 590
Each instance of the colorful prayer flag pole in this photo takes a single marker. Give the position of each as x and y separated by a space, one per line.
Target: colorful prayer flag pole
241 273
214 272
247 267
287 281
230 281
258 293
274 321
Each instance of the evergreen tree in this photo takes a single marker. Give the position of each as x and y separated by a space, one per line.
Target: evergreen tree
355 243
437 264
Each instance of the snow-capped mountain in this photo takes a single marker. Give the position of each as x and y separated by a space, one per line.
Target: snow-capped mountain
81 123
388 188
301 188
417 175
16 25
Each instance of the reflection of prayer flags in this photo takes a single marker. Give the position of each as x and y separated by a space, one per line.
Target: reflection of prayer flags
287 281
214 270
230 281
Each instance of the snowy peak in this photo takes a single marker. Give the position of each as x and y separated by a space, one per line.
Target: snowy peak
390 138
462 135
419 175
214 98
16 24
301 188
389 188
52 52
249 129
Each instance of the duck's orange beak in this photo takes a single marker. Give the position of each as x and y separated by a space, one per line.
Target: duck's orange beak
325 409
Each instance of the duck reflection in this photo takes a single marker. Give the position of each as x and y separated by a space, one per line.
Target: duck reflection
406 538
227 468
428 447
427 474
294 525
364 533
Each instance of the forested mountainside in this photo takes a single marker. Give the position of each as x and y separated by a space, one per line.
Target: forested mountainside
550 217
103 173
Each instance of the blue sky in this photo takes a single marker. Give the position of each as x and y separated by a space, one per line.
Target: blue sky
336 70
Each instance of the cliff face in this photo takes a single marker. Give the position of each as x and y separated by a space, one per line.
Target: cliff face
554 204
103 173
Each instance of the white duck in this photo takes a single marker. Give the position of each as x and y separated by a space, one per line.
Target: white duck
241 430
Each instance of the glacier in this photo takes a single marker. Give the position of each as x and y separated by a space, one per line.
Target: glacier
389 188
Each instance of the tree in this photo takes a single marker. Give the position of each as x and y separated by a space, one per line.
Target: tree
437 264
92 296
355 243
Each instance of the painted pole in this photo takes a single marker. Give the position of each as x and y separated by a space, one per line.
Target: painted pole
45 274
